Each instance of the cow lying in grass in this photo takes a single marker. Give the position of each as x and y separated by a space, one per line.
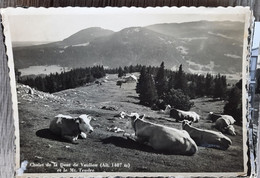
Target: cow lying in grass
69 128
180 115
166 111
161 138
224 123
207 138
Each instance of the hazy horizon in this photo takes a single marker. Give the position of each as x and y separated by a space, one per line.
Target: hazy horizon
31 26
34 42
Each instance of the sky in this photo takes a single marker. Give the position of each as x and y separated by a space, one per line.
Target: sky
46 26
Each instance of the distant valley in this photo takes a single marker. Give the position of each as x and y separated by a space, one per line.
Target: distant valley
45 70
201 47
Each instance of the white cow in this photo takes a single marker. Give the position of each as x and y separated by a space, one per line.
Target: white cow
161 138
70 128
180 115
223 123
207 138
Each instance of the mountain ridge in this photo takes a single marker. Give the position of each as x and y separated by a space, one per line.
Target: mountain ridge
199 46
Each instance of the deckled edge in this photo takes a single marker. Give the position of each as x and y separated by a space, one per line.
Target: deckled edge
250 108
245 74
122 10
10 65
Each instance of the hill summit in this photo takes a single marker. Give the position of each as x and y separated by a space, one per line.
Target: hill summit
200 47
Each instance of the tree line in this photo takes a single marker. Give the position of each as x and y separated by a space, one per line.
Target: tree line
193 85
65 80
121 71
158 87
165 85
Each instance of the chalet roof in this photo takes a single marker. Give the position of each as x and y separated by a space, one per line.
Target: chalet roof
131 76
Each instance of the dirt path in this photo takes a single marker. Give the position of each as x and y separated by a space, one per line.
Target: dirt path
102 146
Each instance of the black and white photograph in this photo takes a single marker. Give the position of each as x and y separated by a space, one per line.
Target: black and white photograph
129 91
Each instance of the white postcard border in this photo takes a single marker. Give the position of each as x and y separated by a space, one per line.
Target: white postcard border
242 11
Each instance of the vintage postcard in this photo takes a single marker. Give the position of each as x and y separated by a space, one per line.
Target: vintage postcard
129 91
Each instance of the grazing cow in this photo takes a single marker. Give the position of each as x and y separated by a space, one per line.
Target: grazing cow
180 115
223 123
207 138
161 138
70 128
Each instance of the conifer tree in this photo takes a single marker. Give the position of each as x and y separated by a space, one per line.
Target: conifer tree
171 81
208 85
148 95
126 70
200 86
180 80
224 82
120 72
160 81
219 87
131 69
142 77
192 89
146 88
39 84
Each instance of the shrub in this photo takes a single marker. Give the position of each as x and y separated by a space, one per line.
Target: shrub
178 100
234 104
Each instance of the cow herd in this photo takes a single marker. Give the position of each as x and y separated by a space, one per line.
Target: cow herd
160 137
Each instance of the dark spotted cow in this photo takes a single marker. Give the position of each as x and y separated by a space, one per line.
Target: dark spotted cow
70 128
